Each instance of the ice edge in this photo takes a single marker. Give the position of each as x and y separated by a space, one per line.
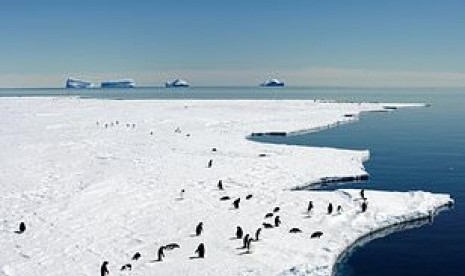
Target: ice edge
367 237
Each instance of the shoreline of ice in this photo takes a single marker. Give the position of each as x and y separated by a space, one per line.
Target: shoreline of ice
388 230
92 192
381 230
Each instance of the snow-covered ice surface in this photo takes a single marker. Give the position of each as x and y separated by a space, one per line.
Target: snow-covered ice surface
90 193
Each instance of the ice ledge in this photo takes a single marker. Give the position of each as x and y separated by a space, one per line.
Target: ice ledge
407 207
155 214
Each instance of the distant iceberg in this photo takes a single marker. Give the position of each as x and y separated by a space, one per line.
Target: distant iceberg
177 83
75 83
272 83
127 83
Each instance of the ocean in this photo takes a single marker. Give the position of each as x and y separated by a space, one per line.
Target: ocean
411 149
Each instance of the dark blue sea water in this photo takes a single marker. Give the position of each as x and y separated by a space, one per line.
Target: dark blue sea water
411 149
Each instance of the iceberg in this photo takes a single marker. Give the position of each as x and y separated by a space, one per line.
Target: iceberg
272 83
76 83
125 83
177 83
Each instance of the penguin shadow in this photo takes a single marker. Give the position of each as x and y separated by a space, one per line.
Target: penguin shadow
126 267
194 257
233 238
247 252
224 198
240 248
19 232
193 235
25 256
179 198
155 261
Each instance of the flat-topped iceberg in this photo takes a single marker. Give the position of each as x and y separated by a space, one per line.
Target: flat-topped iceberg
76 83
177 83
272 83
124 83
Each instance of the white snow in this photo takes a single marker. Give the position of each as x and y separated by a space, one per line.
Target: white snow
90 193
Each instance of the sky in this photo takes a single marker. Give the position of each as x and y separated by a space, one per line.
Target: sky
241 42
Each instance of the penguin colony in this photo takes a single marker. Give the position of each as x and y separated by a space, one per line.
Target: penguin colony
247 239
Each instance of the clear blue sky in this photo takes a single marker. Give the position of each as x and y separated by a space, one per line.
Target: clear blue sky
302 41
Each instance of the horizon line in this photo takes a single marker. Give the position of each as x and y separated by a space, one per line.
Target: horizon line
245 86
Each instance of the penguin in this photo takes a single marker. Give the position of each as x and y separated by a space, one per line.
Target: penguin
200 250
151 132
22 228
220 185
104 269
245 241
117 122
214 149
316 234
267 225
136 256
239 232
295 230
362 194
225 198
198 229
339 209
330 208
210 163
364 206
249 243
236 203
126 266
181 195
310 206
277 221
248 197
160 253
276 209
269 215
257 234
430 216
